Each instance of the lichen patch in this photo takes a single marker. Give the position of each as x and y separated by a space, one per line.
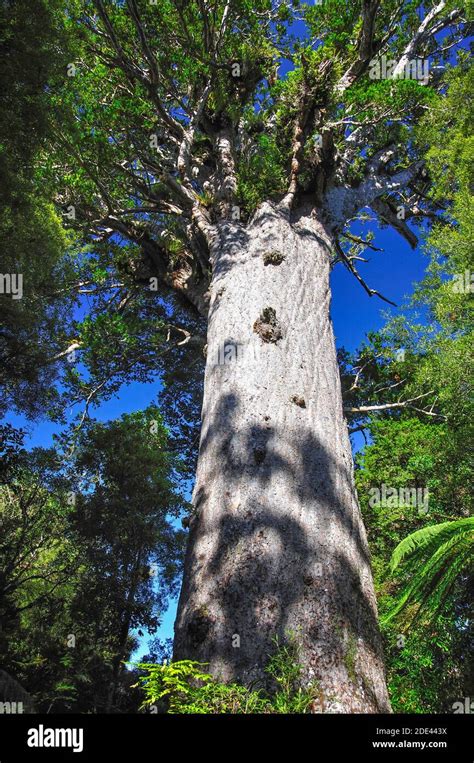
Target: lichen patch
273 257
267 326
299 401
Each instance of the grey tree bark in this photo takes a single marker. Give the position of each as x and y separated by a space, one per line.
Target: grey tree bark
277 542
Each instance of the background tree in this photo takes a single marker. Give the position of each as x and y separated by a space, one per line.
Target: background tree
33 242
89 556
424 444
124 510
38 562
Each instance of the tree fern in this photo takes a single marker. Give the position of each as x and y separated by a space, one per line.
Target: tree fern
437 556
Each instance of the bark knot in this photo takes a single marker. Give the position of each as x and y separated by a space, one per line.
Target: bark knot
267 326
299 401
273 257
199 626
259 454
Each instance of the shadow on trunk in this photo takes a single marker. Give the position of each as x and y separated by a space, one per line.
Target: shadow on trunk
260 547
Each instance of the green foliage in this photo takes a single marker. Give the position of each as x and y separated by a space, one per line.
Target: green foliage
186 688
427 665
428 598
89 553
261 174
33 241
447 139
449 547
285 669
410 453
427 540
446 133
423 676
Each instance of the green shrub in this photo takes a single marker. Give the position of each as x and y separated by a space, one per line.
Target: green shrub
185 688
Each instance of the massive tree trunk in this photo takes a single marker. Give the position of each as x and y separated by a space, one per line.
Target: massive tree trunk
277 542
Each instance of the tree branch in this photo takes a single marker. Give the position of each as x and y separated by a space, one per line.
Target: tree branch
132 6
423 33
361 241
347 261
343 202
360 370
63 353
133 72
388 406
365 46
385 212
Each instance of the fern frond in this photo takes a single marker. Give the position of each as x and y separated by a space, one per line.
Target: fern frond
451 549
428 538
434 595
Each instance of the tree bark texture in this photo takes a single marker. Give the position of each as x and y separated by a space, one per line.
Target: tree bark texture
277 543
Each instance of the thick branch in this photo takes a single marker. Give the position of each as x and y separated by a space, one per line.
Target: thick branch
343 202
185 149
365 47
306 108
387 214
72 347
227 179
424 32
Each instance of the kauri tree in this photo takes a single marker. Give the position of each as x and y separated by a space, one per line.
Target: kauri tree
218 155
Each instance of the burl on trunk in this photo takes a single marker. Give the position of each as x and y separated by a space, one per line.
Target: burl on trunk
277 543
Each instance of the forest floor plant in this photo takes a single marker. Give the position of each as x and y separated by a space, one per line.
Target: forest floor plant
183 687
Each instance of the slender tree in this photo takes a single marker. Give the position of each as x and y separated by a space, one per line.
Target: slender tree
133 551
88 556
218 157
